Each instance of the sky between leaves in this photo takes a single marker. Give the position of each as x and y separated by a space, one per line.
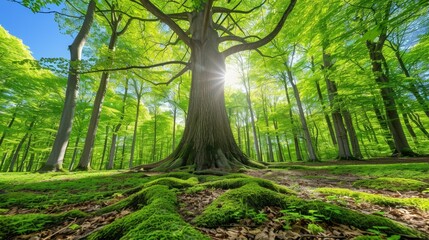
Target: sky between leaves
38 31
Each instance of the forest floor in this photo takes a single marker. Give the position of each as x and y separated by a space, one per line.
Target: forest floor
35 206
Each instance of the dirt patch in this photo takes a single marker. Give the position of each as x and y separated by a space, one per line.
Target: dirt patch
193 204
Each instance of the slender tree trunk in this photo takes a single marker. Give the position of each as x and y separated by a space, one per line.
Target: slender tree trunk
27 149
3 160
173 145
56 158
411 86
30 163
18 148
75 151
116 130
416 120
270 153
383 124
409 127
15 155
309 142
368 126
8 128
252 119
279 146
106 138
247 137
352 135
133 144
295 135
322 103
85 159
344 151
154 134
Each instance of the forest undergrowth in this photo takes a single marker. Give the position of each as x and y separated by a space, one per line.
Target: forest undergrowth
332 200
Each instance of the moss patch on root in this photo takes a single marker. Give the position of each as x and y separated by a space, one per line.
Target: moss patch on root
14 225
419 203
392 184
233 204
236 182
349 217
157 218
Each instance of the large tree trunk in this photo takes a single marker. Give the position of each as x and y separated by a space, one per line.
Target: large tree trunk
387 93
344 152
207 142
56 158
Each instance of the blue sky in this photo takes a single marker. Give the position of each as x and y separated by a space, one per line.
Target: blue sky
38 31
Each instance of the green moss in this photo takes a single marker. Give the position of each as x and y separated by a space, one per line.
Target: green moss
345 216
157 218
418 171
392 184
181 175
27 223
173 182
233 204
420 203
230 183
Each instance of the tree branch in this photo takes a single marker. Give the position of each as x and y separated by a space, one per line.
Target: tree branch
206 18
135 67
185 69
226 10
266 39
167 20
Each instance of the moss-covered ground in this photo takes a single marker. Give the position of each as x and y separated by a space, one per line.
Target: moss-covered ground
287 202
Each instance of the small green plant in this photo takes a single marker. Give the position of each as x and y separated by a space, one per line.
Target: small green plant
74 226
315 229
292 215
257 217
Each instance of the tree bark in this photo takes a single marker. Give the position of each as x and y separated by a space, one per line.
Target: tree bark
116 130
75 150
8 127
139 92
270 157
295 135
279 146
387 93
106 137
85 159
27 149
344 151
18 148
411 87
352 135
309 142
56 158
207 140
